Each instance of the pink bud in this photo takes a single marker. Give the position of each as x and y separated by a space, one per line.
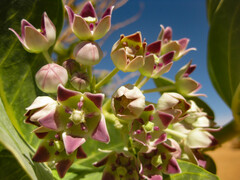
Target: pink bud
50 76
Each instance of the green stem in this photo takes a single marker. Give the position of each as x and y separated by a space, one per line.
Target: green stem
107 105
141 84
228 132
107 78
175 133
90 75
140 78
159 89
47 56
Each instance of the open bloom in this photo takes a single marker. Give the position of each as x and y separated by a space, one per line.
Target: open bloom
185 84
148 129
156 162
66 124
168 45
128 102
86 25
156 65
128 52
34 40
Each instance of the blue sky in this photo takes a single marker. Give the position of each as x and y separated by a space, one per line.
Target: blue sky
187 18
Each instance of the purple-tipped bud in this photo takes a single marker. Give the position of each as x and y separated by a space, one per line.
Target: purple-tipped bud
88 53
80 81
36 41
50 76
128 102
185 84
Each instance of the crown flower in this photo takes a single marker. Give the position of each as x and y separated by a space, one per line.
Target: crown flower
156 65
128 52
86 25
34 40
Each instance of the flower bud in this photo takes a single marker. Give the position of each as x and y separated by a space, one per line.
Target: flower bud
88 53
128 102
50 76
80 81
71 66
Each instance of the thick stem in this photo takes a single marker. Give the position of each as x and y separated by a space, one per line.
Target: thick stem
159 89
47 56
107 78
141 84
140 78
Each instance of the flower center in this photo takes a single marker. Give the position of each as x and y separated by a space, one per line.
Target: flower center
77 117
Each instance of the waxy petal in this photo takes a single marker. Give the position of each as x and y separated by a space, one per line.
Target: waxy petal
42 155
165 118
134 64
154 47
108 12
63 94
34 40
50 121
40 102
80 153
63 166
81 29
173 167
101 132
72 143
119 59
156 177
102 28
199 138
49 29
88 10
70 15
97 99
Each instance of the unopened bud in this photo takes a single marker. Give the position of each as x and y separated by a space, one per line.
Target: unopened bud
50 76
71 66
80 81
88 53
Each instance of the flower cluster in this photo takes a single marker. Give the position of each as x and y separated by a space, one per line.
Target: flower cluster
158 134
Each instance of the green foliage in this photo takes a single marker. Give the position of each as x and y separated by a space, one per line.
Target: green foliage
192 171
223 47
21 150
18 67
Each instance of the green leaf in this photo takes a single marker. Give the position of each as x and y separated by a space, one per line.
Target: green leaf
18 67
236 106
212 6
164 82
192 171
20 149
223 49
10 168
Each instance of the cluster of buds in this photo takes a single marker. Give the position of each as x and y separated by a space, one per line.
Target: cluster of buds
159 134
